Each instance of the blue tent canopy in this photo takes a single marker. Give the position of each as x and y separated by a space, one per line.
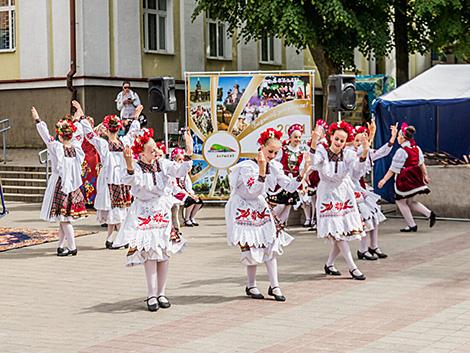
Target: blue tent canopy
437 103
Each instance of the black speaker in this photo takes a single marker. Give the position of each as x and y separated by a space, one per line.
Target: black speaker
342 92
162 96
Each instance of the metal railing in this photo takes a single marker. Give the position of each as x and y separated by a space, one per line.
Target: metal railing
44 159
4 127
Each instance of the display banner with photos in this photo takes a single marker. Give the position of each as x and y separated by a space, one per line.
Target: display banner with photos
227 111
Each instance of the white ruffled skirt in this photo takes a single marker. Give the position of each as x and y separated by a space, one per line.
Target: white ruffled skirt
251 226
113 216
370 211
337 212
149 232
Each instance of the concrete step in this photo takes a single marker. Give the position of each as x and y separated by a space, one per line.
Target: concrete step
31 198
24 182
28 190
13 174
22 168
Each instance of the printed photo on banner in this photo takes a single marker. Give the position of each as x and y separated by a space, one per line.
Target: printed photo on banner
229 92
200 104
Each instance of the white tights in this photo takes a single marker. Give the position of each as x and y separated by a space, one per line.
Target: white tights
111 229
271 268
342 246
373 235
156 274
191 211
282 212
406 206
67 233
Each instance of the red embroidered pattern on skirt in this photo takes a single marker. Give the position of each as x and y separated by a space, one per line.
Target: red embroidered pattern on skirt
71 205
120 195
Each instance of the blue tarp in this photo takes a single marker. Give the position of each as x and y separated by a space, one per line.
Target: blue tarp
441 124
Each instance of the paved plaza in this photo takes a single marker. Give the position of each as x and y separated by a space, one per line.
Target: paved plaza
417 300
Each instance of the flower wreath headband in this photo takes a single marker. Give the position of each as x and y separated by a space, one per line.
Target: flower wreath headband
65 128
112 123
269 133
141 140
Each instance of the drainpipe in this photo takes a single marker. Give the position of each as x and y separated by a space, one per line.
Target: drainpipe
73 51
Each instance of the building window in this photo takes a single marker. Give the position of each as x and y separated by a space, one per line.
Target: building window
219 43
7 25
158 26
270 49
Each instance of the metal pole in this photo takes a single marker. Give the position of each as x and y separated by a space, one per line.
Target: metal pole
339 115
166 131
4 136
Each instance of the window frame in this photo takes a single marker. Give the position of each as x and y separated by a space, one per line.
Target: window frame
11 10
227 40
168 15
274 46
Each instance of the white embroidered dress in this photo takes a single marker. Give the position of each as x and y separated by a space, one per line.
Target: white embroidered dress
337 212
367 200
148 227
250 223
66 169
112 171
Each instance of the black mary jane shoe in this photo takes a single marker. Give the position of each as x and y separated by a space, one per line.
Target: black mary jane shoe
432 219
163 304
409 229
253 295
60 251
73 252
188 224
360 277
108 245
366 256
377 252
329 271
278 298
67 252
152 307
194 223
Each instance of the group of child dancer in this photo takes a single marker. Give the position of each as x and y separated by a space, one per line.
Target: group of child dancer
139 191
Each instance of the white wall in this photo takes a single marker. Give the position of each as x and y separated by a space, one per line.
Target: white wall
61 37
194 47
127 39
294 61
248 59
93 37
33 38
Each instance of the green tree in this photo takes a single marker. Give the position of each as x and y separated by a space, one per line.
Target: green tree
330 29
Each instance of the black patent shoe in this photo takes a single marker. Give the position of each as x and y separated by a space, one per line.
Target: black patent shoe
60 251
108 244
360 277
366 256
151 307
163 304
378 253
329 271
432 219
195 223
73 252
188 224
253 295
409 229
278 298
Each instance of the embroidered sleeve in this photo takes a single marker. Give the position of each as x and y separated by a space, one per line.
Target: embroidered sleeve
381 152
398 160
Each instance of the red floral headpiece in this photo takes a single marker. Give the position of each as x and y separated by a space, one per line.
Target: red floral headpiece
269 133
141 140
360 130
403 128
176 151
295 127
323 124
112 123
406 134
65 128
342 125
161 146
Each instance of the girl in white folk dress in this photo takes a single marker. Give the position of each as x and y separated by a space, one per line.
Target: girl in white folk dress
411 179
63 200
338 217
366 199
185 193
148 228
113 197
249 219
